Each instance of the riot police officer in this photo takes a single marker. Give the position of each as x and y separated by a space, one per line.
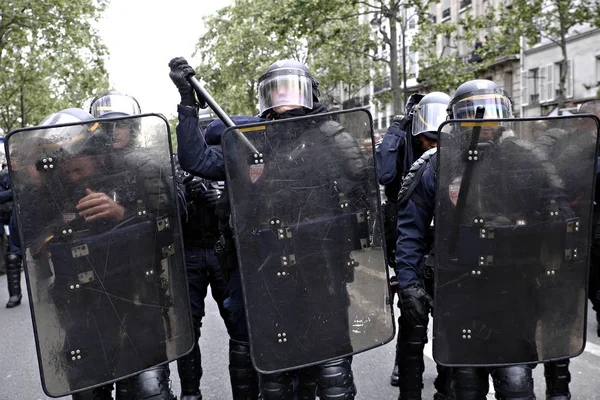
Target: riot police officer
394 155
413 267
513 382
287 89
200 234
97 207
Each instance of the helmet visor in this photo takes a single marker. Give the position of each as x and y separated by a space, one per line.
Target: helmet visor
112 105
428 118
285 90
495 105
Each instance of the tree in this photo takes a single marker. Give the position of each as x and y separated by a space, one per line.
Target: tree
487 37
243 39
552 20
50 58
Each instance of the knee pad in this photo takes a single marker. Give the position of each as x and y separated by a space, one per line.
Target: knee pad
470 383
513 382
277 386
335 380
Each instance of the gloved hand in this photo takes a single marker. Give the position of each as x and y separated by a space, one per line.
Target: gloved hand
415 304
180 72
402 121
194 185
210 197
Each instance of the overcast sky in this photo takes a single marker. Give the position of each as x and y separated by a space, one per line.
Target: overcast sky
142 38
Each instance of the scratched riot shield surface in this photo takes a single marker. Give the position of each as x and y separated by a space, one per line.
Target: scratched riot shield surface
101 244
305 206
512 231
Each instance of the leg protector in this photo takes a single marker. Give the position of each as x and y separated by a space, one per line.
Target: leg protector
335 380
557 380
152 384
13 277
99 393
410 363
307 383
277 386
189 367
514 382
470 383
243 376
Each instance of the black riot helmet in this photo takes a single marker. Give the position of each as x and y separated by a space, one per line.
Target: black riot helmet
429 114
114 104
287 83
480 93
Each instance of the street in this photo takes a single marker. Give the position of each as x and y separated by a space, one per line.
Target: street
19 373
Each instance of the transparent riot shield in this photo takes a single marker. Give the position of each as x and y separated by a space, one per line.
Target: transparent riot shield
512 239
305 206
101 241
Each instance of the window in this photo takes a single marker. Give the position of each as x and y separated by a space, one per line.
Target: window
532 80
558 69
465 3
508 82
550 81
597 70
445 9
525 88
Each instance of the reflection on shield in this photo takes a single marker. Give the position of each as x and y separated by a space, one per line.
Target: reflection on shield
108 294
315 286
512 235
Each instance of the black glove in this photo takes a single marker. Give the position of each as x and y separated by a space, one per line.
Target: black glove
180 72
194 186
415 304
210 197
402 121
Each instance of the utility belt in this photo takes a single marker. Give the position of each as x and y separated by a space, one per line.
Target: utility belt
204 243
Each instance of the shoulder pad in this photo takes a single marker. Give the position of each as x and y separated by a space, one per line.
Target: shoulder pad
330 128
411 179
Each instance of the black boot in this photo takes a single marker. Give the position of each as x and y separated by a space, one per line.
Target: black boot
243 376
13 275
190 369
557 380
151 384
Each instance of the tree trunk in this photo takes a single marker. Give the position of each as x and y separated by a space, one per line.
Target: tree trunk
394 75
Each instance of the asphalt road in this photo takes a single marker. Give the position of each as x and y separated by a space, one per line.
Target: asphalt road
19 373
